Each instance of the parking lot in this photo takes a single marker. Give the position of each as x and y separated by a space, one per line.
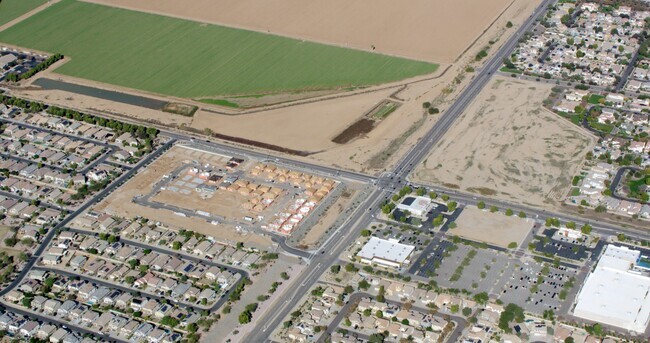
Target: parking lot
405 236
527 287
481 273
563 249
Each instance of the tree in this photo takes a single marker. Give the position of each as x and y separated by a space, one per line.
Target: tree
363 284
27 302
177 245
512 245
586 229
509 212
454 308
335 269
451 206
481 298
511 313
169 321
379 314
467 311
433 110
480 205
350 268
493 208
375 337
426 104
11 241
133 263
571 225
569 340
23 256
365 233
509 24
245 317
522 214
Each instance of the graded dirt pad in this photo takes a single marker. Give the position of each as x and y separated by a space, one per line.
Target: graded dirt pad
506 144
492 228
309 127
119 202
429 30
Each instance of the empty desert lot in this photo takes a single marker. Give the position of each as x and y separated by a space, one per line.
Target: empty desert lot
12 9
188 59
429 30
507 145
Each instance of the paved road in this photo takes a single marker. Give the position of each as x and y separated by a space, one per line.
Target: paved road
613 187
320 262
531 212
99 196
188 257
121 287
237 151
461 323
433 136
318 265
60 323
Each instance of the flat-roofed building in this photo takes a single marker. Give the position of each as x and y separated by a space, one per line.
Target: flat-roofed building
384 252
416 205
617 292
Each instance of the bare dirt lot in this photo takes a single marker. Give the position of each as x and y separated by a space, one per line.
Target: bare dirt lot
508 146
119 202
312 126
384 26
493 228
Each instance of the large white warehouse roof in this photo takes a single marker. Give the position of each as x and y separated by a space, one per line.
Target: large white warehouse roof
616 293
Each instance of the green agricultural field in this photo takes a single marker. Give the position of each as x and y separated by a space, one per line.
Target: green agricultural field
12 9
191 60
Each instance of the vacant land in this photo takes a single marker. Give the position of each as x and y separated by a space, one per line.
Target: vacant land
493 228
507 145
120 203
188 59
426 30
12 9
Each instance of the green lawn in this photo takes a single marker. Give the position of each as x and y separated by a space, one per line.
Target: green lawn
594 99
188 59
12 9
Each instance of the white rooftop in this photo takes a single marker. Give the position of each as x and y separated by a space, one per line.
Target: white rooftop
388 250
415 204
614 293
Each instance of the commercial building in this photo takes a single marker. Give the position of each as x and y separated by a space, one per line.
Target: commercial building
389 253
416 205
617 291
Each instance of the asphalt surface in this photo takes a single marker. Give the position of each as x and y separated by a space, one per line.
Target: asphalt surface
318 265
96 198
613 187
461 323
188 257
338 241
61 323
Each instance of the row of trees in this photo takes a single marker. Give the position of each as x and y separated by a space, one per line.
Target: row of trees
40 67
137 131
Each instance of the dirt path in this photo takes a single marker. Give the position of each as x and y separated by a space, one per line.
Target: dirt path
28 14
